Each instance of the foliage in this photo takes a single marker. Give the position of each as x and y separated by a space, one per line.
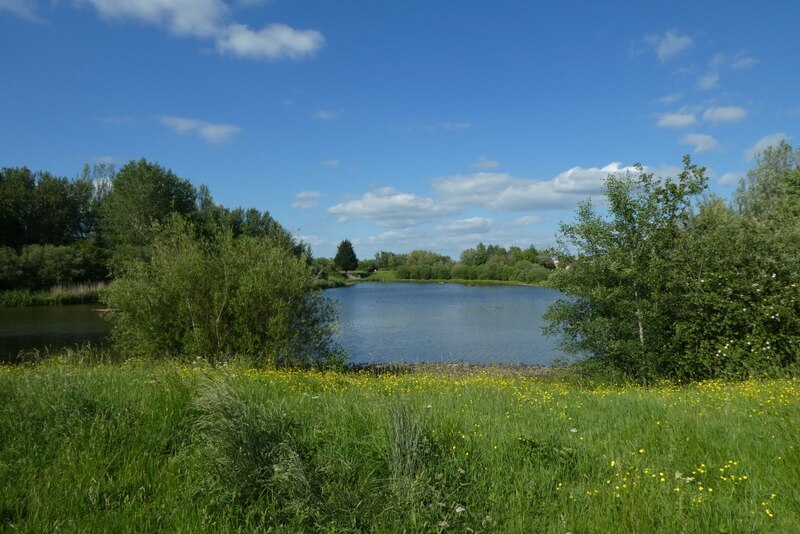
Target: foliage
741 308
656 290
345 259
39 208
142 193
219 297
483 262
772 187
619 308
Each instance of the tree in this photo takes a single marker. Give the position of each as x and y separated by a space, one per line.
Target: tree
221 297
740 311
772 187
142 193
619 307
345 259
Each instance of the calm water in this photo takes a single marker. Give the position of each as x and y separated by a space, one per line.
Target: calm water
379 323
38 327
384 322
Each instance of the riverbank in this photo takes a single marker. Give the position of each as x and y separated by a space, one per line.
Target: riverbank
144 447
390 276
19 298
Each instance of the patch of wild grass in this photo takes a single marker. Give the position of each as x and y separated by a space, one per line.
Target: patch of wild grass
85 293
188 448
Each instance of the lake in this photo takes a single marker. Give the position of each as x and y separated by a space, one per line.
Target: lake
379 323
407 322
38 327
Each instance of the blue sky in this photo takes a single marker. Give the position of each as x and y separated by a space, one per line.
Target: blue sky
399 125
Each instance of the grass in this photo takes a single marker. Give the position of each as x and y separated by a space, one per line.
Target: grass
146 447
86 293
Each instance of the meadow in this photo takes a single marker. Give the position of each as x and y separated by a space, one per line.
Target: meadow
143 446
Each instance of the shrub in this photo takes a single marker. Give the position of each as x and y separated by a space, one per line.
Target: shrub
218 297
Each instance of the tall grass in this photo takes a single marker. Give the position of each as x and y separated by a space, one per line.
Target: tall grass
187 448
84 293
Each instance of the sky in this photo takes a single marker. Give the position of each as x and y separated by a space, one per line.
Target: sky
400 125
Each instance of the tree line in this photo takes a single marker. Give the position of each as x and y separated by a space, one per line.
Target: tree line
482 262
59 231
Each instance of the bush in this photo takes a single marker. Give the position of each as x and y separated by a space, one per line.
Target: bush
219 297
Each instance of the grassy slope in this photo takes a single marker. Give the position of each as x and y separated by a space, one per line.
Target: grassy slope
148 447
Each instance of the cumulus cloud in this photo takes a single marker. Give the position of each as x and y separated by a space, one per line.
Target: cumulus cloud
389 207
275 41
306 200
724 114
211 132
763 143
680 119
729 178
470 226
669 45
701 142
503 192
332 163
708 81
669 99
744 62
211 19
199 18
485 163
23 9
525 220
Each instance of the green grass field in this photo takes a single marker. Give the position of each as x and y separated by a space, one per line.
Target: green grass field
148 447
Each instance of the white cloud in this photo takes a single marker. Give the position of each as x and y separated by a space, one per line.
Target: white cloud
211 132
503 192
211 19
327 115
485 163
472 225
199 18
701 142
24 9
306 200
744 62
724 114
275 41
525 220
729 178
763 143
332 163
454 125
680 119
669 99
669 45
389 207
708 81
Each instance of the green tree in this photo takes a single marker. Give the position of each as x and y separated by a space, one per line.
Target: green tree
345 258
740 311
772 187
619 307
221 297
142 194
